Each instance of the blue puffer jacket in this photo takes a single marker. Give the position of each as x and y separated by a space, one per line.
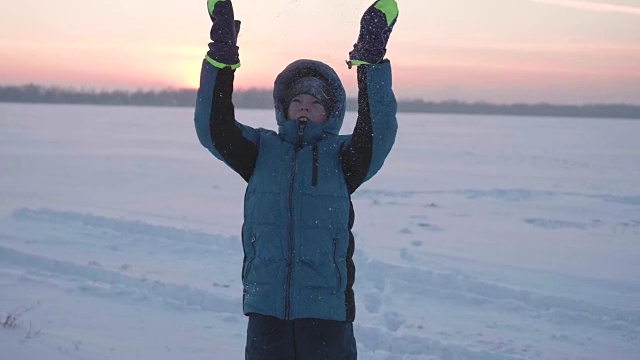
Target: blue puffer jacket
298 213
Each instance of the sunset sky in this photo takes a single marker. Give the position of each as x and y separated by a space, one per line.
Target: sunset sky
563 51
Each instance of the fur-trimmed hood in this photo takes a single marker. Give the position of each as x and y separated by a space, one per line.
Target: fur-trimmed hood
288 129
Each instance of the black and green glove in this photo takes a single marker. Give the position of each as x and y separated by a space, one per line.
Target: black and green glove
375 28
223 51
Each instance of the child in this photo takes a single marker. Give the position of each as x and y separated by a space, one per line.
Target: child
298 272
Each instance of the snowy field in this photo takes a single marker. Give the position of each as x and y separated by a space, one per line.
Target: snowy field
488 238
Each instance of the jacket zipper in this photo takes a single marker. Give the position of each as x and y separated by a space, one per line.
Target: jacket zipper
335 263
292 244
314 173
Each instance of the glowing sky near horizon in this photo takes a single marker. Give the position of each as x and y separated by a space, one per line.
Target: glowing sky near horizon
568 51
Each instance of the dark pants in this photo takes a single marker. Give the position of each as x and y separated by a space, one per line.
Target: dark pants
269 338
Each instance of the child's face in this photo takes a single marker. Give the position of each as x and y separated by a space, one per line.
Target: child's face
305 105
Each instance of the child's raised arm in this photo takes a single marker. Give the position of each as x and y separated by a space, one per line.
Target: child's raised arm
376 127
215 122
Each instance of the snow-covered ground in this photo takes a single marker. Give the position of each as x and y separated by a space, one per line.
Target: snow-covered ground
487 238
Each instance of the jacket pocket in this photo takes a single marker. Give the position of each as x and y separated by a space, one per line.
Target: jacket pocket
250 259
335 263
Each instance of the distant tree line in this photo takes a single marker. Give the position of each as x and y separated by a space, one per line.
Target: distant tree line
59 95
262 99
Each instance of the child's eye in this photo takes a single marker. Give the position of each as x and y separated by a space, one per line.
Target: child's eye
295 100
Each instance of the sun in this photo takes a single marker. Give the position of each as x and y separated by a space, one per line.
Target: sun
189 74
184 71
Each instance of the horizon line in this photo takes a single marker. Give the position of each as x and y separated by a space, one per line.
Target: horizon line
85 89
